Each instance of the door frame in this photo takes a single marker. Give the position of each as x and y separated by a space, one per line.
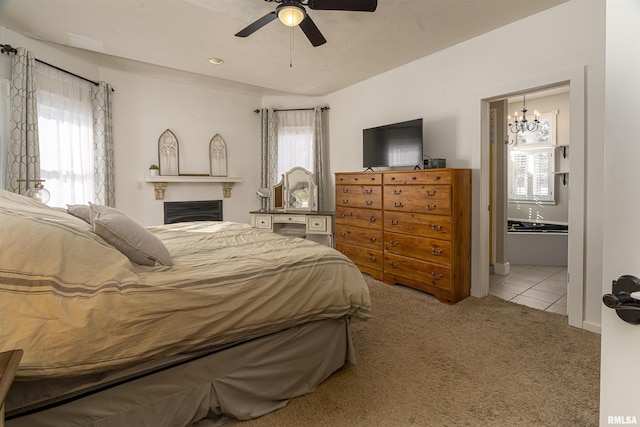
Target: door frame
575 79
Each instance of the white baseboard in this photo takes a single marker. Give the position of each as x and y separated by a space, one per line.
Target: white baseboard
592 327
501 269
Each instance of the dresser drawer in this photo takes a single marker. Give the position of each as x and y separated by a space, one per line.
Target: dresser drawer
418 177
432 250
359 178
362 257
424 225
419 271
357 197
364 237
366 218
433 199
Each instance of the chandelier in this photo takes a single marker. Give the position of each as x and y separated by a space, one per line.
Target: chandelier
521 124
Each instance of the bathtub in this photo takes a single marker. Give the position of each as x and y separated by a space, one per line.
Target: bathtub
535 243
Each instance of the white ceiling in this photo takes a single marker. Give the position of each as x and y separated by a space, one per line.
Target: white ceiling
184 34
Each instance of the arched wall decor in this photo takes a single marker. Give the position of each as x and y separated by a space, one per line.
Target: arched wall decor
168 154
217 156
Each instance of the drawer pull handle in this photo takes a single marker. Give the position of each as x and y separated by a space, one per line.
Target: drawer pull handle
437 177
436 252
413 178
372 259
368 190
372 219
393 178
345 201
372 239
398 204
431 207
396 191
345 190
431 192
393 264
341 215
342 233
394 222
356 179
392 243
435 276
368 202
436 227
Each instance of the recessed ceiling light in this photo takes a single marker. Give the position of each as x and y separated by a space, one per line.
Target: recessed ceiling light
216 61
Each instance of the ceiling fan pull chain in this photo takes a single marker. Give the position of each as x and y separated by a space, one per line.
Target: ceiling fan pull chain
291 48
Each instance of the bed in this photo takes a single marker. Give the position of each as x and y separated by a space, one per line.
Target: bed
213 321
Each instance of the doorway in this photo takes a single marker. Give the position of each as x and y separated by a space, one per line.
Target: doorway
574 78
529 188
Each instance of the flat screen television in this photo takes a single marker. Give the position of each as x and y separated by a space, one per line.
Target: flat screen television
397 144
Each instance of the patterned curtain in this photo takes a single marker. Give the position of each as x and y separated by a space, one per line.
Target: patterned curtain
272 147
103 145
318 156
23 159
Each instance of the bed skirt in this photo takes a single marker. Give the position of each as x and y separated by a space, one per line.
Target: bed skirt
244 381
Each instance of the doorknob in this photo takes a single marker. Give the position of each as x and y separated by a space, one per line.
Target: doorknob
625 298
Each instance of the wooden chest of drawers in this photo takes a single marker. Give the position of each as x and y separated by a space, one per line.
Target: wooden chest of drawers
408 227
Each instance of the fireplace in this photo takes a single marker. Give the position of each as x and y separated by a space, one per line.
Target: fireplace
202 210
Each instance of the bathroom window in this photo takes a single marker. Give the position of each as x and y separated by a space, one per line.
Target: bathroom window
531 175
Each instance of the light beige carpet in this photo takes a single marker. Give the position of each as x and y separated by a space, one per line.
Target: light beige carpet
480 362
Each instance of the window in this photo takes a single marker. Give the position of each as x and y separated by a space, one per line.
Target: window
531 164
531 175
65 128
295 140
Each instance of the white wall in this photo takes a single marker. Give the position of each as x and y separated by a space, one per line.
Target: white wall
148 102
442 89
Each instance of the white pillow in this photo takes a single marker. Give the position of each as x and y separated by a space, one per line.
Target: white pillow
80 211
129 237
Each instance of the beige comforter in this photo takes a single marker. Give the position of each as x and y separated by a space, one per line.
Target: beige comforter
74 312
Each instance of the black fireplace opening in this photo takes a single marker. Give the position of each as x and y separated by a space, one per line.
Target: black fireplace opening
200 210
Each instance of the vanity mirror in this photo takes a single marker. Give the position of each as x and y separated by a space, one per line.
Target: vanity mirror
296 191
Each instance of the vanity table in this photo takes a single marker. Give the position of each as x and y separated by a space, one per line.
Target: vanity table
293 210
317 226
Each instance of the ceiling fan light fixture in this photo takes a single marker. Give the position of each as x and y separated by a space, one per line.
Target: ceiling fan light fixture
291 15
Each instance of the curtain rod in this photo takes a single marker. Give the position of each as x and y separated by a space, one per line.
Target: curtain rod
295 109
6 48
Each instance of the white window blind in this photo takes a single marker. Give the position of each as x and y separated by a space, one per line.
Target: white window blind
531 175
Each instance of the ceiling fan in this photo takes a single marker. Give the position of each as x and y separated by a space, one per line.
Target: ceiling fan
293 13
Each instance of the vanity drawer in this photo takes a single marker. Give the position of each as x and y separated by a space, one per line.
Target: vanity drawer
262 221
288 219
317 223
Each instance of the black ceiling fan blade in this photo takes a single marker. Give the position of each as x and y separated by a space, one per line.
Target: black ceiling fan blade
312 32
252 28
352 5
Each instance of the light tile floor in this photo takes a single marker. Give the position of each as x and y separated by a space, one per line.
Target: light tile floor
541 287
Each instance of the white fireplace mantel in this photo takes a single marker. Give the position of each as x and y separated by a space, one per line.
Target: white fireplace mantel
160 182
